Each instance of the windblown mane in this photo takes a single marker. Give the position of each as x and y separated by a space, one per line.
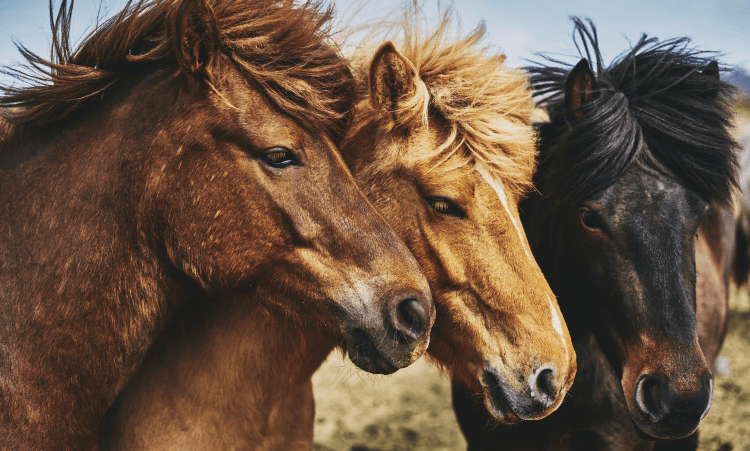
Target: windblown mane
283 48
487 104
654 106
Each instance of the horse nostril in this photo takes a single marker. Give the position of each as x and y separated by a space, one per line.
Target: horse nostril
648 398
671 412
543 388
410 319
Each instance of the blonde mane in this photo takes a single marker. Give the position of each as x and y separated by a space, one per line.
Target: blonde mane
487 104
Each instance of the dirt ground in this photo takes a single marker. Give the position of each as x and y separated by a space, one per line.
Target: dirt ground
411 409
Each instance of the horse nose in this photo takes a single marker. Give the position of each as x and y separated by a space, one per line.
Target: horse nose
395 335
544 390
660 403
410 319
523 399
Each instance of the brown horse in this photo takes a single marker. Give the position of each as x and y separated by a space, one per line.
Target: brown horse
444 148
500 329
178 170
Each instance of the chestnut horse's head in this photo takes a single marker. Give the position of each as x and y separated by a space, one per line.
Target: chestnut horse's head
444 148
634 156
286 220
243 187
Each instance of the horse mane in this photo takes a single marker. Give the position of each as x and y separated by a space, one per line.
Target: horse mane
486 104
284 49
654 106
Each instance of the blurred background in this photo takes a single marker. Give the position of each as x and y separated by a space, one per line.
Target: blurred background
411 410
517 27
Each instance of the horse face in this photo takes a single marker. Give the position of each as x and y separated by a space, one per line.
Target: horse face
629 256
259 204
498 326
500 330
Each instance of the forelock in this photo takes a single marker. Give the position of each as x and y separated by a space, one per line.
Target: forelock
654 105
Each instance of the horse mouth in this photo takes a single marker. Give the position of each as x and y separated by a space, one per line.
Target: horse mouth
658 435
497 401
363 353
643 435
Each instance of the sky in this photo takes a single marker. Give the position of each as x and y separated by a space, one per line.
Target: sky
519 28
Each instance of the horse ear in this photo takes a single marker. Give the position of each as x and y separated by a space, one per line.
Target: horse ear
712 69
580 87
391 81
197 38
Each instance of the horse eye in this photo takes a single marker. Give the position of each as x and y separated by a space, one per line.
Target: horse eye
589 219
280 157
445 206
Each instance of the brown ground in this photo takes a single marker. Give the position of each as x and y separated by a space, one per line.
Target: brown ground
411 409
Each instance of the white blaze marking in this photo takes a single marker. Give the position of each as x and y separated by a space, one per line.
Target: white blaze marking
557 325
497 186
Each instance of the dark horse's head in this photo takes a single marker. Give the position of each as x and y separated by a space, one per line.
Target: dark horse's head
633 157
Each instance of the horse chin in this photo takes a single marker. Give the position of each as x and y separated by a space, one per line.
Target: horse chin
655 433
363 353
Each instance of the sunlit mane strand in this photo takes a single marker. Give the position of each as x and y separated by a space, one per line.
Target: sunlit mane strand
487 104
282 47
655 106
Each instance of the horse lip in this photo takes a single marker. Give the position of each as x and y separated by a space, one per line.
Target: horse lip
371 359
643 435
499 407
496 399
640 432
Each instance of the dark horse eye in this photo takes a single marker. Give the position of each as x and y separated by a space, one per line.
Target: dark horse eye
445 206
279 157
589 219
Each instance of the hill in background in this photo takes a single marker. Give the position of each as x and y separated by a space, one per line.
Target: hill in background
741 79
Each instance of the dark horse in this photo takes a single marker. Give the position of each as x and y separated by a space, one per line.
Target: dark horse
634 159
184 157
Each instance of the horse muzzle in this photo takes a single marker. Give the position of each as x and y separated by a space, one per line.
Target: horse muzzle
661 412
528 397
393 338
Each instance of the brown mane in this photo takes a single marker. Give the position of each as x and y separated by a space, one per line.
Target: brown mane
285 50
487 104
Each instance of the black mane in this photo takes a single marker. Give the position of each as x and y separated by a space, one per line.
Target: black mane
654 94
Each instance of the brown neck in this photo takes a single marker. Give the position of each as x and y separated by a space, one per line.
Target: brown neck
72 204
238 377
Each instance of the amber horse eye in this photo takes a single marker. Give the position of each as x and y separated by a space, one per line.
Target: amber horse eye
589 219
445 206
280 157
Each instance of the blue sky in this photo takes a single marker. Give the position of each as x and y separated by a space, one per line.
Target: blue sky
518 27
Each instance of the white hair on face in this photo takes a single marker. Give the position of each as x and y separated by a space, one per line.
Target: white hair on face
498 187
557 325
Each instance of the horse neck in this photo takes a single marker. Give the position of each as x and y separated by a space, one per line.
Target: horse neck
81 294
91 170
236 377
